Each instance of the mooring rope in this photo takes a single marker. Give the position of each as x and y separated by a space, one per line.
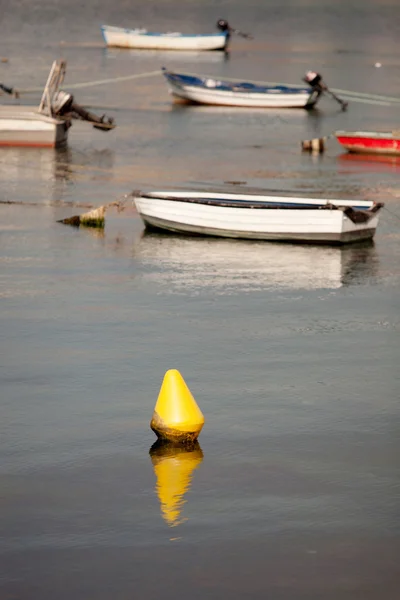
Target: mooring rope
360 97
367 101
391 213
371 96
96 82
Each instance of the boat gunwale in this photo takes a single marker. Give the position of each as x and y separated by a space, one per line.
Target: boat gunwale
374 135
267 205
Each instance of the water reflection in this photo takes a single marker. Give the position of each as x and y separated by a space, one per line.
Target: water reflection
188 264
43 164
274 116
165 56
28 163
384 162
51 163
173 467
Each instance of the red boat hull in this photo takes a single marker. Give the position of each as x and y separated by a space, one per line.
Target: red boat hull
378 144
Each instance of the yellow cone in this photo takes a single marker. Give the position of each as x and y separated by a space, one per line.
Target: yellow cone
173 468
176 416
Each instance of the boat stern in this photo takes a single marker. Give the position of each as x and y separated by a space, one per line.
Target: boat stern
313 99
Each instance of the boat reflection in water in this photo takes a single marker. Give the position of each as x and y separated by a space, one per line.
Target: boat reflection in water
391 162
188 264
167 56
18 164
43 175
48 164
173 467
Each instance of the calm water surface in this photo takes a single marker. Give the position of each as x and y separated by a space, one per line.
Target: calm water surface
292 352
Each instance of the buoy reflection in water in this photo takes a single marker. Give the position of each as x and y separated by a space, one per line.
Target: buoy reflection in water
173 467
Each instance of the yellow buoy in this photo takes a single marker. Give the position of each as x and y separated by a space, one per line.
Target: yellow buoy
173 467
176 416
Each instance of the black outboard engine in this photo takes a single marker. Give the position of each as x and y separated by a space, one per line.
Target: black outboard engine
314 80
223 25
64 106
318 86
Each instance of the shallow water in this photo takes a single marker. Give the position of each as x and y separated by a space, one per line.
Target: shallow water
291 351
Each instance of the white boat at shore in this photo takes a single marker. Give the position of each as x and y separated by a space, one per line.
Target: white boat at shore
36 126
25 126
259 217
202 89
46 125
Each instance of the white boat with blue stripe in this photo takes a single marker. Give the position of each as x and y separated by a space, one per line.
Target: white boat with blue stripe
202 89
259 217
121 37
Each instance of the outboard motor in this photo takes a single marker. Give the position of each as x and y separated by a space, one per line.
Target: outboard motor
318 86
223 25
314 80
63 105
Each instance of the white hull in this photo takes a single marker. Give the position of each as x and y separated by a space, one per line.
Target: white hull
294 224
245 99
24 126
133 38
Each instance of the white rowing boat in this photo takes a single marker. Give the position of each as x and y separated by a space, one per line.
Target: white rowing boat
25 126
202 89
121 37
46 125
259 217
36 126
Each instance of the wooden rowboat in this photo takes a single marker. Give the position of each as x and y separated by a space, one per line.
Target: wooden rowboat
259 217
202 89
370 142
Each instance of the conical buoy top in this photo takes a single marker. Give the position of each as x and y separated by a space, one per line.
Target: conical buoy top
176 416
